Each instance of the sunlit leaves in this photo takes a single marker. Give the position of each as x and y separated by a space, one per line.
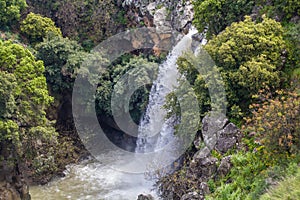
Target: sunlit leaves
250 56
36 27
10 11
23 100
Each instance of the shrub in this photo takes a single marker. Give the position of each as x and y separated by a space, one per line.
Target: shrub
37 27
276 122
10 11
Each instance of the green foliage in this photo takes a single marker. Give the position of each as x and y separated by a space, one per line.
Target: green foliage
272 149
287 189
123 79
200 83
249 177
37 27
250 57
10 11
31 82
24 99
216 15
292 38
7 99
62 59
88 19
246 176
284 10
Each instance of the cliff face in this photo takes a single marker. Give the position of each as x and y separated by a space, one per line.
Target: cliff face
174 14
217 135
12 183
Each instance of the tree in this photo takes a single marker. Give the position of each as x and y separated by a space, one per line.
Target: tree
10 11
24 99
216 15
62 58
90 21
250 56
138 71
36 27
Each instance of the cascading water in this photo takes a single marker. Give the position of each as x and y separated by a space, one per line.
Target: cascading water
154 130
99 179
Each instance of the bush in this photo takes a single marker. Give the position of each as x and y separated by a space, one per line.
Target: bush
276 123
25 131
250 57
36 27
10 11
62 59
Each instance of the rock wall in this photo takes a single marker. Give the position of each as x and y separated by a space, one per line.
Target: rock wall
191 181
175 14
12 184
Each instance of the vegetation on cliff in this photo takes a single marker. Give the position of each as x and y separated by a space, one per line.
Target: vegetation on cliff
254 44
258 58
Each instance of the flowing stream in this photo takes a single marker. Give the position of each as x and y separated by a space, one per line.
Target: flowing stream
99 180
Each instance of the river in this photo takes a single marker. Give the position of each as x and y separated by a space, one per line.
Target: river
95 180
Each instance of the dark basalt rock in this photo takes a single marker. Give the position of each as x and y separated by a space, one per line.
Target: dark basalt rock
228 138
224 167
218 135
145 197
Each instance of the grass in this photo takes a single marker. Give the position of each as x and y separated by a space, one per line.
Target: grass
288 189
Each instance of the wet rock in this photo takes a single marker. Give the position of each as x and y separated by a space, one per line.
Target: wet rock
13 187
145 197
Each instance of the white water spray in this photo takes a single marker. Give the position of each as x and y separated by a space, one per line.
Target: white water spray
154 130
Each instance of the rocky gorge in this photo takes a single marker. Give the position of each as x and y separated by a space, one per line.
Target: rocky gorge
254 45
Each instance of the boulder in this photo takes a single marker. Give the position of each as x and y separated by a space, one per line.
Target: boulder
224 167
170 14
203 153
192 196
228 138
161 21
183 15
145 197
211 124
204 188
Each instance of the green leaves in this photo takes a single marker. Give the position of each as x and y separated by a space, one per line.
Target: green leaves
10 11
23 100
215 15
62 58
36 27
123 79
7 92
250 57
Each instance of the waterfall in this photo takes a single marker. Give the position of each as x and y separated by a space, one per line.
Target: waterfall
154 130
